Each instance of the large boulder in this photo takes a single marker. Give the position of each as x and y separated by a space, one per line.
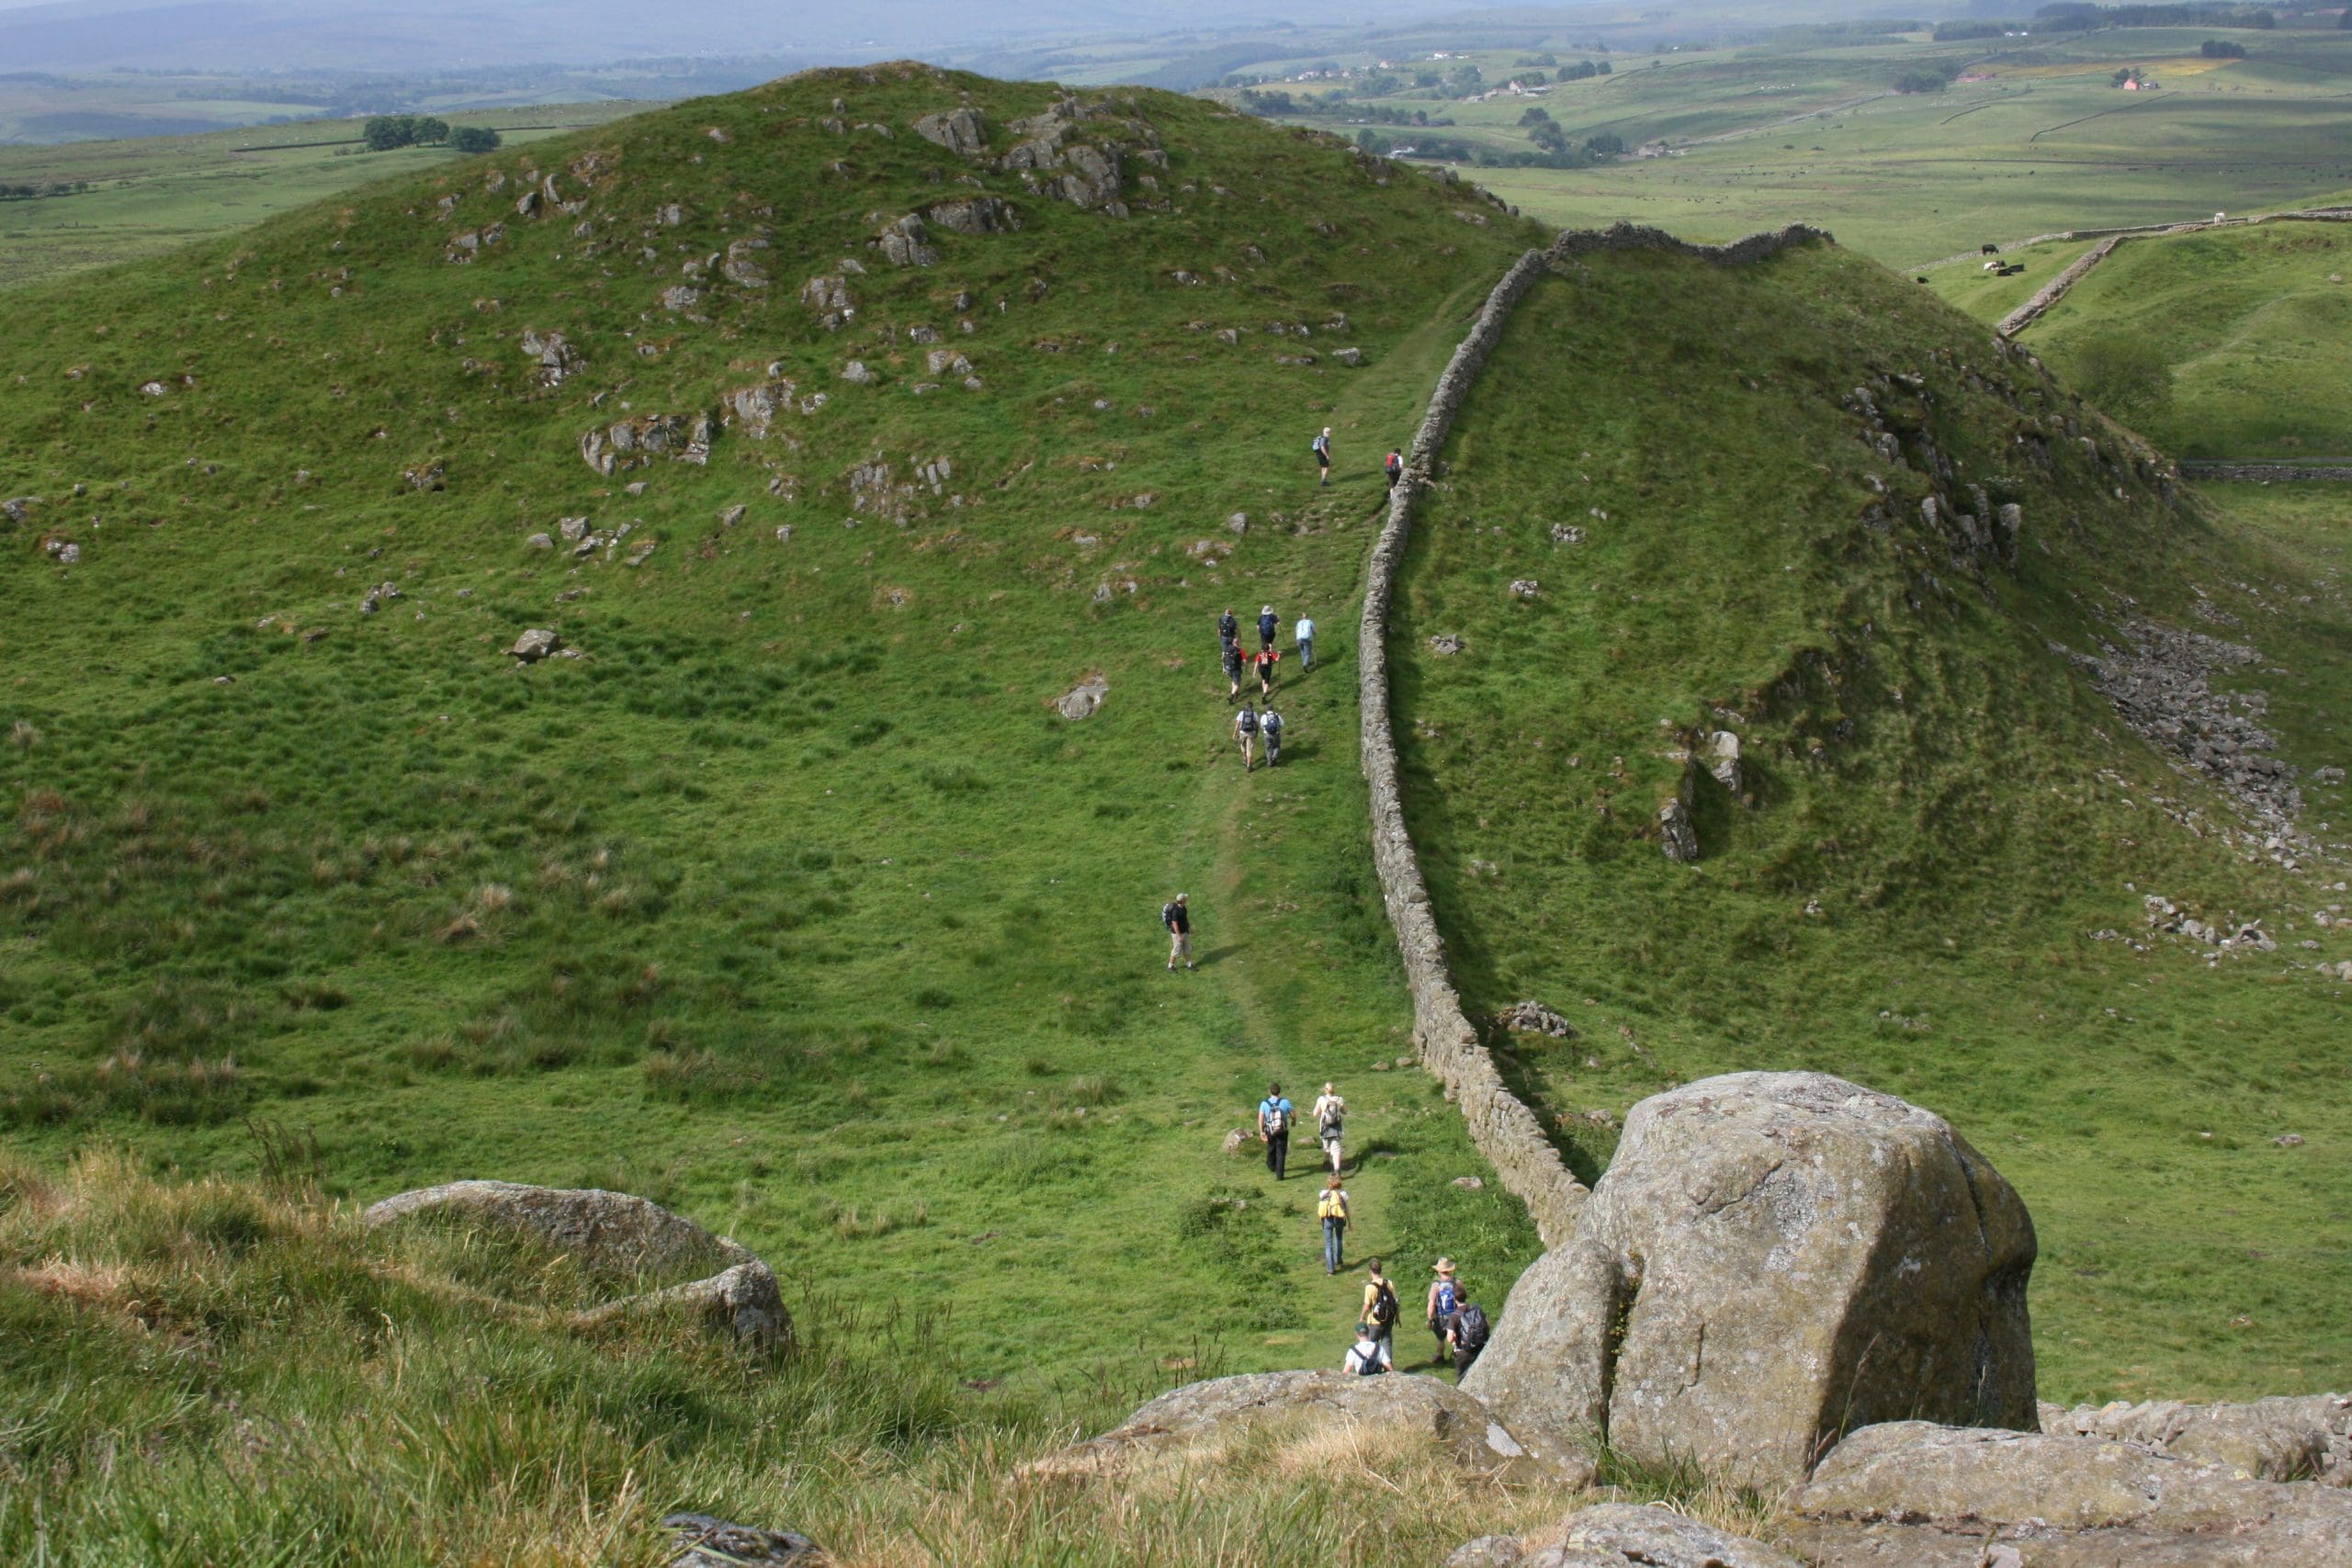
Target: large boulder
1909 1495
1619 1534
1200 1418
1772 1258
617 1237
2286 1439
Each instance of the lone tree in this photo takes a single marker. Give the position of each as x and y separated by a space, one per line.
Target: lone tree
474 139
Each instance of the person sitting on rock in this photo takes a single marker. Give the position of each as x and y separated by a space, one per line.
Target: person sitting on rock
1368 1356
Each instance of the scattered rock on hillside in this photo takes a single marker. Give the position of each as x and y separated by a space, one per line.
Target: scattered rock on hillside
427 476
828 299
1471 1183
1237 1140
1445 643
1534 1018
556 358
962 132
1081 700
534 645
1179 1424
2161 683
18 508
975 215
2297 1438
1617 1535
635 443
538 542
1722 759
706 1543
1772 1258
1525 587
1911 1492
1566 533
855 373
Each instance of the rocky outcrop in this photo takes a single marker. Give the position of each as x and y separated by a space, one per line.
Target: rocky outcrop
1201 1418
2289 1438
1772 1258
828 299
1908 1494
618 1238
1081 700
906 243
962 132
1504 1130
635 443
556 358
1619 1534
975 215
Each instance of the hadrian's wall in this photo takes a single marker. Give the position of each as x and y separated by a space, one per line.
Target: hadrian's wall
2056 289
1502 1128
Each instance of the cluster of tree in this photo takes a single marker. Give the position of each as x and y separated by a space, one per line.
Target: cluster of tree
2221 49
385 131
1332 105
1537 59
2128 76
2070 17
1553 150
1583 69
54 188
1921 81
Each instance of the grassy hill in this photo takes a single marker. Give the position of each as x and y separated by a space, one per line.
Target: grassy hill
2230 343
1933 875
793 901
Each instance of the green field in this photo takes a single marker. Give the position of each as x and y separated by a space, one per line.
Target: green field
2251 327
151 195
1780 132
1943 813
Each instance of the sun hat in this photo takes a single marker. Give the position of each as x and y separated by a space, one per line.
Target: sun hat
1444 1266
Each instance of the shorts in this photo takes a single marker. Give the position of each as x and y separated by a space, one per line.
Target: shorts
1322 459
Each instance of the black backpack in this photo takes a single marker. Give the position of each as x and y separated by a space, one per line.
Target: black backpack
1384 1307
1368 1362
1248 722
1470 1329
1167 915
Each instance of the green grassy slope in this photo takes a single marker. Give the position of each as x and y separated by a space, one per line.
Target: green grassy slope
793 902
1944 811
2252 324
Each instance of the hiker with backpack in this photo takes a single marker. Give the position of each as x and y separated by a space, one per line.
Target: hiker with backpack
1263 661
1303 630
1179 921
1393 466
1467 1335
1268 624
1444 1296
1330 1113
1274 1115
1270 725
1381 1310
1368 1356
1245 729
1331 1208
1322 444
1228 630
1234 660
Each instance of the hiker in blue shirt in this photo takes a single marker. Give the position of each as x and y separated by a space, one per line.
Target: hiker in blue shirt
1275 1117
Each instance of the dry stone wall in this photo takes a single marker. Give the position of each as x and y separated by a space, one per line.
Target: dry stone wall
2056 289
1505 1131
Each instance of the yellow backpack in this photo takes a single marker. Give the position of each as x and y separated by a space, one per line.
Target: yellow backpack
1331 1205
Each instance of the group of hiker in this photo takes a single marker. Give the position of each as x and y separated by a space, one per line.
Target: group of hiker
1458 1323
1253 724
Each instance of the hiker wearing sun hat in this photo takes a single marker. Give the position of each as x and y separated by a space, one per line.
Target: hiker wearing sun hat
1444 1296
1179 921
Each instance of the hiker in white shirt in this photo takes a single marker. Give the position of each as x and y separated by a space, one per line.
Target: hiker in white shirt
1330 1111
